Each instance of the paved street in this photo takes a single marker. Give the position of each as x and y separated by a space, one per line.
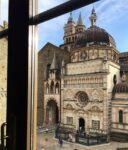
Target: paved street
50 143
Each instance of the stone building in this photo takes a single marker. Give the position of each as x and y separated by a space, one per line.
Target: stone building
3 76
119 121
77 81
123 59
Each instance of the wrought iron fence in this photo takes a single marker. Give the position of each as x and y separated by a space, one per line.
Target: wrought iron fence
91 138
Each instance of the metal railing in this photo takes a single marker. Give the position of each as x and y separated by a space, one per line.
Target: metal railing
3 137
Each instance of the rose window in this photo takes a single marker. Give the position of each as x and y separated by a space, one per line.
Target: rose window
83 98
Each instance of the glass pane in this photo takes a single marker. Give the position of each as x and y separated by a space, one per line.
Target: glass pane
3 64
76 51
45 5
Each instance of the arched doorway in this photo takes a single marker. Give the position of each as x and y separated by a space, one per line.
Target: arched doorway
81 124
52 112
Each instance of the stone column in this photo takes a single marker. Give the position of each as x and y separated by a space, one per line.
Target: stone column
61 109
44 123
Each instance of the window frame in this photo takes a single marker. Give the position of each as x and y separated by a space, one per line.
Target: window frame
95 124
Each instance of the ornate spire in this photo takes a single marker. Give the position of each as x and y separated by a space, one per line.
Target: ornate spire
93 17
54 63
70 19
80 21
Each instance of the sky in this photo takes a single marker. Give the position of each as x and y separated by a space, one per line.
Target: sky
112 16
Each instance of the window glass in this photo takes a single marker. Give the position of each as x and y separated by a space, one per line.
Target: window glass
46 5
72 48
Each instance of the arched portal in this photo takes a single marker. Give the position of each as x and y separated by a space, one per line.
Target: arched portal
81 124
52 112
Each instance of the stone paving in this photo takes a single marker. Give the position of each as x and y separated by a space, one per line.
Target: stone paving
50 143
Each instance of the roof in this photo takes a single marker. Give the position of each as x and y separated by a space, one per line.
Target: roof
94 35
121 88
80 21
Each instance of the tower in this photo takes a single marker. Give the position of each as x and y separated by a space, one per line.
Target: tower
69 29
71 32
70 26
93 17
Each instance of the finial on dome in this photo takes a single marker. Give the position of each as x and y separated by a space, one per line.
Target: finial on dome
93 17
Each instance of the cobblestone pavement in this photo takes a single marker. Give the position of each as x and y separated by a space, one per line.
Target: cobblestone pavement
50 143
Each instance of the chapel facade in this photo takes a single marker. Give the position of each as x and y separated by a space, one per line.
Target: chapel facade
84 90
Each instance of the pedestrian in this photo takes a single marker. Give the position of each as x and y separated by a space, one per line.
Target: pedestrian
46 140
46 130
60 141
42 148
70 138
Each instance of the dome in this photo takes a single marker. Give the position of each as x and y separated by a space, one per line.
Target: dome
94 36
121 88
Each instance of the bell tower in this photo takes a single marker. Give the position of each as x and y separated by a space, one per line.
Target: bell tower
69 28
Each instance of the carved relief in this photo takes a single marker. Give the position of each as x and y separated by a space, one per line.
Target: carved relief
69 107
95 109
96 97
68 94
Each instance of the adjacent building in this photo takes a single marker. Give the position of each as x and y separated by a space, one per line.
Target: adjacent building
3 76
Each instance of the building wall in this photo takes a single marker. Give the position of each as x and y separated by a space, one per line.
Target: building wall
3 77
114 69
45 57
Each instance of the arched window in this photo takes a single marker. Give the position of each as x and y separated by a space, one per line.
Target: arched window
66 40
73 39
52 87
57 88
120 116
47 88
69 39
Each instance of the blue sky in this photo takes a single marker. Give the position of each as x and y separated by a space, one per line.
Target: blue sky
112 16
